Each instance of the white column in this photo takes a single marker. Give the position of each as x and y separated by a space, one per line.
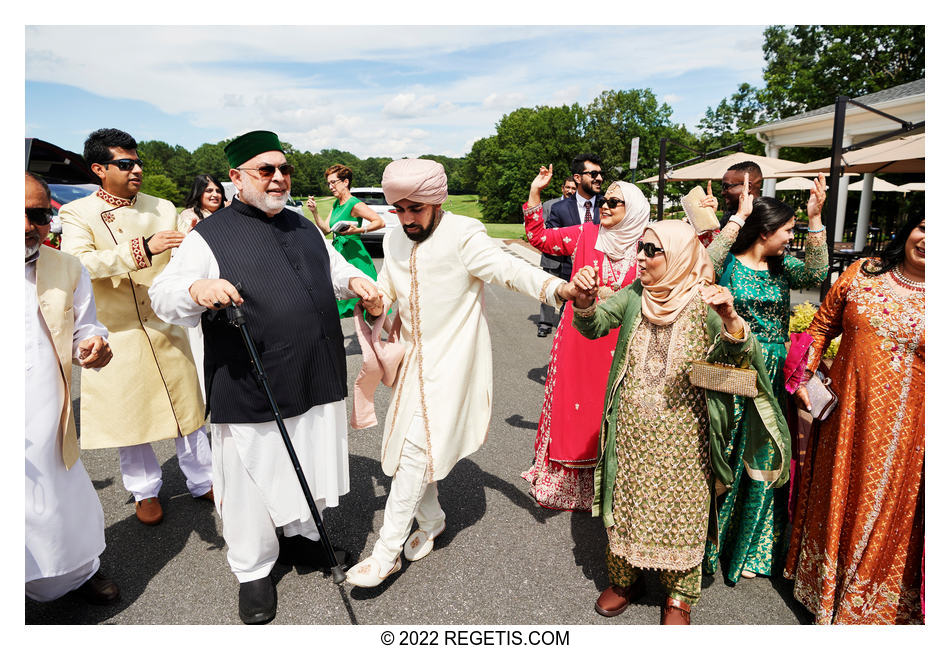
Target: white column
842 197
768 186
864 213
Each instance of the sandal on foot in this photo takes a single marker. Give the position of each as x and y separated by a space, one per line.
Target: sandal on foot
369 573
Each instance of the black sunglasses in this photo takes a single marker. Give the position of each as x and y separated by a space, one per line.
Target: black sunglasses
267 171
648 248
594 174
39 216
613 202
125 164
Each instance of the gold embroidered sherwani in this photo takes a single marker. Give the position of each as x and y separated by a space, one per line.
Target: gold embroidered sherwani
150 389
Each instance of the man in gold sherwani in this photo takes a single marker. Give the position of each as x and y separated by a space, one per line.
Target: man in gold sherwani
150 390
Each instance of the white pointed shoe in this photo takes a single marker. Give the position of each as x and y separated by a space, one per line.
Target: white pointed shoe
420 543
368 573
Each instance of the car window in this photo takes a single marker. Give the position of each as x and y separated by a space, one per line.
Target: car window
67 193
371 198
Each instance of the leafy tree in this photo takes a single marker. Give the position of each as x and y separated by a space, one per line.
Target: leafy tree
211 159
808 66
727 124
162 186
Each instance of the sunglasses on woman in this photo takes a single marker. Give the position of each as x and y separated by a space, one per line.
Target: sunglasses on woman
267 171
612 202
39 216
648 248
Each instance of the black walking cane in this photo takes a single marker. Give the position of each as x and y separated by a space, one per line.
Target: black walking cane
237 319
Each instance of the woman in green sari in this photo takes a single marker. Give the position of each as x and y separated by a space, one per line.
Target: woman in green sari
352 212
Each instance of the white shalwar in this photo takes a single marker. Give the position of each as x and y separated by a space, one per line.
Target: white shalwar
256 487
64 521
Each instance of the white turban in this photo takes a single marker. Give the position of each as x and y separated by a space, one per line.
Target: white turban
416 179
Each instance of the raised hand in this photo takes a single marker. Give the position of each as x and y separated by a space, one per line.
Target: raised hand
745 199
721 300
816 198
709 201
539 183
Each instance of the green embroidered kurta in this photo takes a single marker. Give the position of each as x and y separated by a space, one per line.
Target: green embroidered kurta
351 248
752 517
661 441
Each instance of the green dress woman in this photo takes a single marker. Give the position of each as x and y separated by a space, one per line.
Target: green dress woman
349 209
749 260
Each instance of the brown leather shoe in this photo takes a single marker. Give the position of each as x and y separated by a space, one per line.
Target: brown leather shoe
98 590
614 600
675 612
149 511
209 495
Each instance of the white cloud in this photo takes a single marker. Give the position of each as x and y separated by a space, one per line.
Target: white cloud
343 87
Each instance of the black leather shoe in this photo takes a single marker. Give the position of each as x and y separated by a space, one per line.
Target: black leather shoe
98 590
298 549
543 331
257 601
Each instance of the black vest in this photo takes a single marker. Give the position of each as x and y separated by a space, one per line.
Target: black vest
284 270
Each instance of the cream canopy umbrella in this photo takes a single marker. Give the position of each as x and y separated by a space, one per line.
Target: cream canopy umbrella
895 156
795 183
911 187
715 168
880 185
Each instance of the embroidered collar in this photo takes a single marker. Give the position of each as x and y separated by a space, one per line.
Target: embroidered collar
116 201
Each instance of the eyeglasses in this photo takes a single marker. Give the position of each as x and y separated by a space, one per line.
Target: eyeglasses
39 216
267 171
334 182
125 164
612 202
594 173
648 248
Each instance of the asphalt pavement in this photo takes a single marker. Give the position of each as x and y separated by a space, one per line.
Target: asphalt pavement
502 560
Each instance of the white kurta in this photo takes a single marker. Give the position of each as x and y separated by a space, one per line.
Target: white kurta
64 521
318 436
447 371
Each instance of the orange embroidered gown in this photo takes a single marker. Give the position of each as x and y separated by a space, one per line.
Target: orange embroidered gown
857 538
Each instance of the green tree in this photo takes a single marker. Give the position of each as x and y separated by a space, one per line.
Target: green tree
525 139
808 66
161 186
727 124
211 159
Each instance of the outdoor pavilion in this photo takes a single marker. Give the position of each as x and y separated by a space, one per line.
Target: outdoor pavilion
815 129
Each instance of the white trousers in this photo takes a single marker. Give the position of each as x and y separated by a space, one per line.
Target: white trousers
142 475
409 497
47 589
247 525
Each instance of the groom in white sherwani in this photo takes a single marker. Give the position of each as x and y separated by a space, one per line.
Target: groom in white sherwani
434 271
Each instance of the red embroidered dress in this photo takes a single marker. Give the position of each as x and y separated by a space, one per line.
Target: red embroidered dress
562 476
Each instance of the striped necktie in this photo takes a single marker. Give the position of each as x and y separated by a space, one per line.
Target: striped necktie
588 217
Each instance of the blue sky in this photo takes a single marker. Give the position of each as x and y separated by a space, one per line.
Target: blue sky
375 91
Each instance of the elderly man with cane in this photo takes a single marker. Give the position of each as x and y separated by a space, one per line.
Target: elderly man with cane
435 270
290 278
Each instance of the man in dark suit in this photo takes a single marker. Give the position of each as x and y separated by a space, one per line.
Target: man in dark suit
548 318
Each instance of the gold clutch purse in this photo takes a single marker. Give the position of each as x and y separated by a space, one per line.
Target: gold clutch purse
723 378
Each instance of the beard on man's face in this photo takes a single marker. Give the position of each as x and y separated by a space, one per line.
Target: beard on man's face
417 233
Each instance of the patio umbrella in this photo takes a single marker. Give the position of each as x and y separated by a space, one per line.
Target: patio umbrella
911 187
795 183
715 168
895 156
880 185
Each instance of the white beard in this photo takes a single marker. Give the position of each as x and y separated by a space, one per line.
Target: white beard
32 249
264 201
